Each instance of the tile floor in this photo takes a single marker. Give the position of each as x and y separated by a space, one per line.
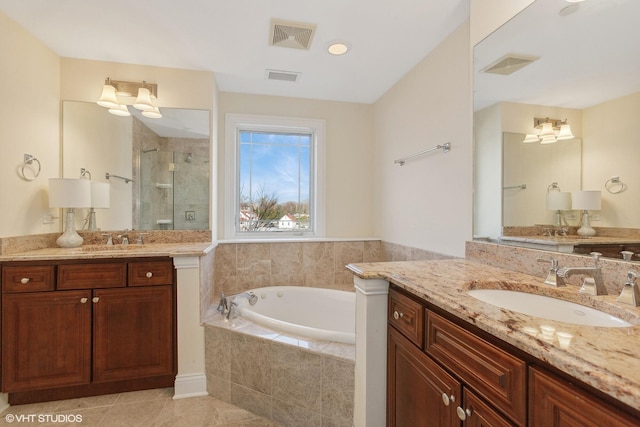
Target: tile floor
139 408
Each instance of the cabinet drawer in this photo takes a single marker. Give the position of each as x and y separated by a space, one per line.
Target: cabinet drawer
28 278
151 273
493 373
91 276
407 316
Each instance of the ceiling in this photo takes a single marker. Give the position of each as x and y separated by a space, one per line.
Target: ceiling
231 39
588 54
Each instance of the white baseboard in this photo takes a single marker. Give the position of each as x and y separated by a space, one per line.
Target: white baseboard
191 385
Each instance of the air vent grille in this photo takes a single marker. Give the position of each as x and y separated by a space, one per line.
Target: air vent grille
509 64
283 76
291 34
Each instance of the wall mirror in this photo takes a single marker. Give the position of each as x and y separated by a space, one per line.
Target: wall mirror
159 169
584 68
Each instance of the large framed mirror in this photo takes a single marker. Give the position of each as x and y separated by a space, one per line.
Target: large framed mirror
583 67
158 169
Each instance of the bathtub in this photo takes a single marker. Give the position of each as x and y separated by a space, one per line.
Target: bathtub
316 313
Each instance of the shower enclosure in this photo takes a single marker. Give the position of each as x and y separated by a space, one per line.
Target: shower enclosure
173 190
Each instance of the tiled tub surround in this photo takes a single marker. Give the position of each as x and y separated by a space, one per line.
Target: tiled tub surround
290 380
243 266
605 358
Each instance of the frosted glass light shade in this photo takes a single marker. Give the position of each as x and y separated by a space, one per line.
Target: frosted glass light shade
143 101
548 139
100 195
69 193
586 200
547 130
565 133
530 138
153 113
120 110
558 201
108 99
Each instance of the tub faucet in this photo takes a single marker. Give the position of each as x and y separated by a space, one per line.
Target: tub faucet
593 285
228 305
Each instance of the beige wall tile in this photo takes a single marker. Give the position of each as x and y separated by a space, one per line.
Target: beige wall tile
297 377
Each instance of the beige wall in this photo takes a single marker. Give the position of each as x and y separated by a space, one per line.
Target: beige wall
611 148
29 123
427 202
488 15
349 136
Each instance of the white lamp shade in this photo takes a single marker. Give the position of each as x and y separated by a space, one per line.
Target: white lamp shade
69 193
143 101
120 110
548 139
565 133
547 129
558 201
586 200
153 113
530 138
100 195
108 99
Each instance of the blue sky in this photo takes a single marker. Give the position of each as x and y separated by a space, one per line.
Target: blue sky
277 163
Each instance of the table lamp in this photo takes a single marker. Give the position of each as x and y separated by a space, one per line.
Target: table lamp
558 201
586 201
69 193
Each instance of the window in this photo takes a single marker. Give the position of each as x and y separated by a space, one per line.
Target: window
275 177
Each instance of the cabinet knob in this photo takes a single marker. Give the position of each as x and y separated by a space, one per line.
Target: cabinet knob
24 280
463 413
95 299
149 274
397 315
84 300
446 399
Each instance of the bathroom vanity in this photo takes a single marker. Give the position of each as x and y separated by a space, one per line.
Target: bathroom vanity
451 357
87 326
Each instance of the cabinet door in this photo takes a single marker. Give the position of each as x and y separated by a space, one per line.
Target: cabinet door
133 333
555 403
46 340
477 413
420 393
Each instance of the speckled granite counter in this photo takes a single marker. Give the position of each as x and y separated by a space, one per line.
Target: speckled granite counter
115 251
605 358
564 244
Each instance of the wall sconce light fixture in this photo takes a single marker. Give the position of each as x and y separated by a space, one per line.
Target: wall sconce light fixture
114 90
549 131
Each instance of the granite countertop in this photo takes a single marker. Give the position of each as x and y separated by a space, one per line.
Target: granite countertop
570 240
606 358
115 251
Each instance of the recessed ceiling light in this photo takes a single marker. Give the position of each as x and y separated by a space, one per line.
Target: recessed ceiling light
338 48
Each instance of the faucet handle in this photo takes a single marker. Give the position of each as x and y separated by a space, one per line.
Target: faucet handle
140 240
631 277
596 257
553 261
110 238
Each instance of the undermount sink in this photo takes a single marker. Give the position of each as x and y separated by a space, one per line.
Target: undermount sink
548 308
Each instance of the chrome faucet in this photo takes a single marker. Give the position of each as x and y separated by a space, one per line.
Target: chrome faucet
552 276
228 305
593 285
630 292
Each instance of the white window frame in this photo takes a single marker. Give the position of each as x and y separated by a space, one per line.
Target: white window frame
236 122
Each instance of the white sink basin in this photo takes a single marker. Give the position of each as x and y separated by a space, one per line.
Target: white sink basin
548 308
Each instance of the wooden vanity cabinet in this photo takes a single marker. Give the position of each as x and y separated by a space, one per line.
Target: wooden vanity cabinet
554 402
453 377
457 377
96 327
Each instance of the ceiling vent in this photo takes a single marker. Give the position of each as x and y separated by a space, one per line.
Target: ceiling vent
510 64
283 76
291 34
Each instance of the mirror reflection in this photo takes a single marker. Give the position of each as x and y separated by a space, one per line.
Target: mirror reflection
159 169
580 67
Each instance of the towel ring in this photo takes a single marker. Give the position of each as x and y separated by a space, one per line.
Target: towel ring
614 185
28 161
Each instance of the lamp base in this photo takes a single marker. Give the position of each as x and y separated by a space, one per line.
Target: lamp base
70 238
586 230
